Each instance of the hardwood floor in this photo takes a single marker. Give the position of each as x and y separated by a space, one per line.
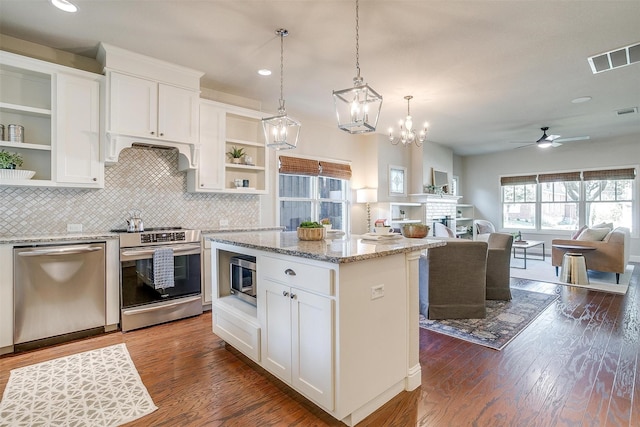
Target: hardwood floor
576 365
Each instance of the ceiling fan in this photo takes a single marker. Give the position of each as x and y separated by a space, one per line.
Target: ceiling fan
551 140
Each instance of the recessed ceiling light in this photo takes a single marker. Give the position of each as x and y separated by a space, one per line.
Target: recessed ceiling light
264 72
581 99
65 5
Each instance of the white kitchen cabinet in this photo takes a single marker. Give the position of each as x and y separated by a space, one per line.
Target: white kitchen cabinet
149 109
78 131
59 109
297 337
223 127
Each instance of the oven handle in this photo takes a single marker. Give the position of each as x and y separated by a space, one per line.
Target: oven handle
160 307
176 249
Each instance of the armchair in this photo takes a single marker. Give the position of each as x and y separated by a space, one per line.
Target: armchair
453 280
498 266
483 228
441 230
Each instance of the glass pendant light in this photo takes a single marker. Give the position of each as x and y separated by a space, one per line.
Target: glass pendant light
358 107
281 132
407 132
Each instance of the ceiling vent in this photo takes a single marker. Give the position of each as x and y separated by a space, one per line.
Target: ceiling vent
615 58
625 111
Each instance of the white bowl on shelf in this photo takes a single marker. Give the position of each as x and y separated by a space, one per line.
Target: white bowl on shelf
16 174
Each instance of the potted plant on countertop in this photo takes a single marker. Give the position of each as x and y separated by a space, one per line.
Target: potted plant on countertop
326 223
311 230
235 154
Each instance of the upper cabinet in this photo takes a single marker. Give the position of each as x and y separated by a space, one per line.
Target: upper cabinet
224 128
59 110
150 102
145 108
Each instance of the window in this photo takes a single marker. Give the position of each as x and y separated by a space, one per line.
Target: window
559 201
566 201
310 190
519 194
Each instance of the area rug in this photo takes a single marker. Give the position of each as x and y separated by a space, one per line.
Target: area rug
543 271
95 388
504 321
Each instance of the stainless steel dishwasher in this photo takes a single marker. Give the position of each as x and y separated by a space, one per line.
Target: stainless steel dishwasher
58 290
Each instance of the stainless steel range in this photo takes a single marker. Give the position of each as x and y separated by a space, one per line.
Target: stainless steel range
159 276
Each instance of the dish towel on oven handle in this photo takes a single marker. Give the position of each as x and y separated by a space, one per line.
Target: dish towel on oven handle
163 268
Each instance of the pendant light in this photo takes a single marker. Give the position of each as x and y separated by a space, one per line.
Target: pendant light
358 107
407 132
281 132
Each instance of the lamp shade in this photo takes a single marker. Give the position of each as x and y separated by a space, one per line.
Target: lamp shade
367 195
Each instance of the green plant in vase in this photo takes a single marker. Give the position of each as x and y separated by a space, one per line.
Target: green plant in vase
235 154
10 160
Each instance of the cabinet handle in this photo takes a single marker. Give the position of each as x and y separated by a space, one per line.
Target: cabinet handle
161 134
95 179
285 293
153 133
289 272
294 296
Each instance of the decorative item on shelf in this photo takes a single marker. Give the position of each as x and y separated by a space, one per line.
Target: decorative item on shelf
237 182
407 133
245 183
357 107
248 160
9 162
415 231
281 132
1 132
432 189
311 230
16 133
368 196
235 154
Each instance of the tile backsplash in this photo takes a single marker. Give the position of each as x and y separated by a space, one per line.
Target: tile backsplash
143 179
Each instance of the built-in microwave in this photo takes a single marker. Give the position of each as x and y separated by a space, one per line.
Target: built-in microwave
242 274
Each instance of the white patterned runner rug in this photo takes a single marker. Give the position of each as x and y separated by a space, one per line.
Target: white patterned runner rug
95 388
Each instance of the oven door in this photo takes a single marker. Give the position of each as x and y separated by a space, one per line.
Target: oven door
136 275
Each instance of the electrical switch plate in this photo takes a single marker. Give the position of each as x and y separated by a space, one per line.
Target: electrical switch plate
74 228
377 292
224 223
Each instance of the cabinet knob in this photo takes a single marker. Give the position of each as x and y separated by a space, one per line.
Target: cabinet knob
289 272
285 293
153 133
293 296
95 179
161 134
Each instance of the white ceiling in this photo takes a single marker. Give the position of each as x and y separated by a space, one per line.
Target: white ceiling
483 73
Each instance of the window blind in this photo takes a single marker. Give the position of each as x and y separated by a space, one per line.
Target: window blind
628 173
518 180
559 177
335 170
297 166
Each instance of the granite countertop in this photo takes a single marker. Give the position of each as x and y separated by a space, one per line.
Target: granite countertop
341 249
54 237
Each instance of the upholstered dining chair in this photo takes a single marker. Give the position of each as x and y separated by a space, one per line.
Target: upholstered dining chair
498 266
452 280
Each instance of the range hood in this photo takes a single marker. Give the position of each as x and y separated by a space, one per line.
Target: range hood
188 153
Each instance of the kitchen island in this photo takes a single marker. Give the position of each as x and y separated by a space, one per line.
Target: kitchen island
336 319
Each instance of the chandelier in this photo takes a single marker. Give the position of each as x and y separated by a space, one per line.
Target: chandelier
357 107
281 132
407 133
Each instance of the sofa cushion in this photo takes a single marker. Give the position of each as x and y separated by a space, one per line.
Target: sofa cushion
608 225
593 234
575 235
483 228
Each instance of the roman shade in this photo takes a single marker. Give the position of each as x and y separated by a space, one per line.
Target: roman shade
628 173
518 180
298 166
559 177
335 170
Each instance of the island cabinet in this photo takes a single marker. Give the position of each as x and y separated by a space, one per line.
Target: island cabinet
336 320
296 307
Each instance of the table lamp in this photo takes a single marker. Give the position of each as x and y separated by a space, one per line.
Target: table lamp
367 195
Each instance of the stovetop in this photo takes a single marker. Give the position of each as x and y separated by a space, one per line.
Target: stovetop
157 236
124 230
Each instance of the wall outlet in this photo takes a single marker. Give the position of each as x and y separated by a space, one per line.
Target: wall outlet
224 223
377 292
74 228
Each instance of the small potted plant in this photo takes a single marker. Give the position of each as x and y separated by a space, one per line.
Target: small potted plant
10 160
326 223
311 230
236 154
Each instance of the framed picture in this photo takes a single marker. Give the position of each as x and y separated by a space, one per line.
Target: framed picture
397 181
